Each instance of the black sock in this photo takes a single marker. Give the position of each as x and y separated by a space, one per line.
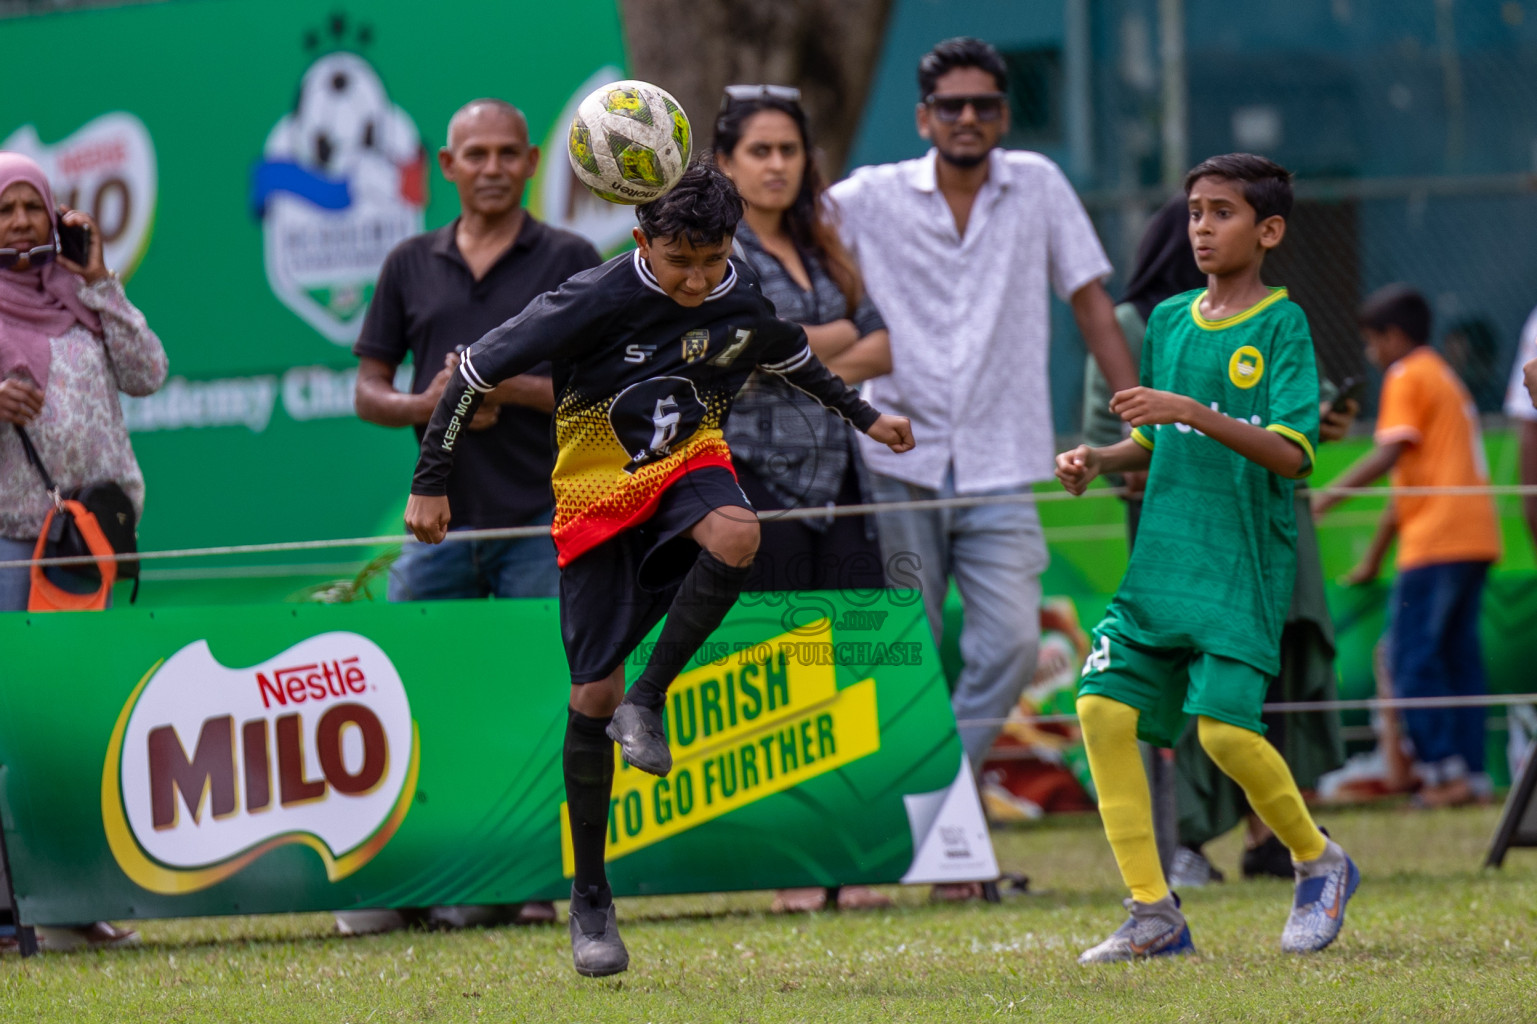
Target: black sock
588 761
705 596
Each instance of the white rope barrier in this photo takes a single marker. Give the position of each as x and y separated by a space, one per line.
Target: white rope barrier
519 532
838 511
770 515
1485 700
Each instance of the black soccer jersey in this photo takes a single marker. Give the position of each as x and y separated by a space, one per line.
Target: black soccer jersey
642 386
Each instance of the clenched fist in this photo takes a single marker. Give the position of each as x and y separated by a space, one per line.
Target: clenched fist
427 517
895 432
1078 468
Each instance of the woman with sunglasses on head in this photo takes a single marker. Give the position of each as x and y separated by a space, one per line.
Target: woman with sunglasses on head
788 451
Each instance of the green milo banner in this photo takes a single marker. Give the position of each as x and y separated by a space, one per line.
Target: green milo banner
250 163
179 762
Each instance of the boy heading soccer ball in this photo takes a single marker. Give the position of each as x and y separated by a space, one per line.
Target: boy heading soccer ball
647 351
1224 422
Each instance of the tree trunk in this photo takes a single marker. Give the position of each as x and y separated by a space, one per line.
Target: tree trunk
827 48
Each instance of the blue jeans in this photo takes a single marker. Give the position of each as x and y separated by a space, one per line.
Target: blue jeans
996 554
476 568
15 584
1435 652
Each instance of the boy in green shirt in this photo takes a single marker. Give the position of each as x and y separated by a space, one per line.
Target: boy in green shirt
1224 421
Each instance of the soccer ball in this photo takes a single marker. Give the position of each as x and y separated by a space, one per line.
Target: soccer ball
630 142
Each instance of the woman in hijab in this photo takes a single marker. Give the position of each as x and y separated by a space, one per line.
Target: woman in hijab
69 342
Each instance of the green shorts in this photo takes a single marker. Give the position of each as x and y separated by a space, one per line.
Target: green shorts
1168 684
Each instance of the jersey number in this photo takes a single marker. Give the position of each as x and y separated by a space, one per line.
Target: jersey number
1099 657
651 418
664 422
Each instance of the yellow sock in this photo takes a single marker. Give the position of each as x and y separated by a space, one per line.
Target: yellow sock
1259 768
1125 803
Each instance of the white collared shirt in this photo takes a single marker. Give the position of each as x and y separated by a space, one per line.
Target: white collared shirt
1518 404
969 317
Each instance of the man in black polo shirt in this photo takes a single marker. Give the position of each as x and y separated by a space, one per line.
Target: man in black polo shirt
439 292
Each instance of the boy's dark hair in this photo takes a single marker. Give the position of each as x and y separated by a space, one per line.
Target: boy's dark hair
703 207
1397 305
960 52
1267 186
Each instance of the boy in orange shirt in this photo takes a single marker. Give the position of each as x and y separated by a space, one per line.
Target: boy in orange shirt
1427 436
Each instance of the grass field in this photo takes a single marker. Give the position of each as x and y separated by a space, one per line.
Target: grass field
1430 937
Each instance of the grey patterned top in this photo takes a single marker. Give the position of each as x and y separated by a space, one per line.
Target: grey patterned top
80 434
797 448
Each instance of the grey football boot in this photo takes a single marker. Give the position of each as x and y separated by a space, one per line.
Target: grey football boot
638 731
1324 885
1153 929
596 948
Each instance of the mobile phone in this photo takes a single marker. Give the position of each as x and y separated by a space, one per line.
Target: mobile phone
75 242
1350 390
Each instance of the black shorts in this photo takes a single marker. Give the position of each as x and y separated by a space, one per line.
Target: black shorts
613 595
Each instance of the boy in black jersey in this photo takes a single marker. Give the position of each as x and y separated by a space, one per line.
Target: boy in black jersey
648 351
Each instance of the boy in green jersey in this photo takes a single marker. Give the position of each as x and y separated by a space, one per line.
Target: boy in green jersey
1224 422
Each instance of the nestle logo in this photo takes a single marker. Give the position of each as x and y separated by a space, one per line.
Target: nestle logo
315 681
206 772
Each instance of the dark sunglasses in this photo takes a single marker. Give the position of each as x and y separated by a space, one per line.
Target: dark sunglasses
748 93
949 109
35 257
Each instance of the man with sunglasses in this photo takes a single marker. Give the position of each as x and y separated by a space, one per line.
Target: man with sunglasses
959 248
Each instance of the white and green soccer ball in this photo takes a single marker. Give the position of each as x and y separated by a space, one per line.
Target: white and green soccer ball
630 142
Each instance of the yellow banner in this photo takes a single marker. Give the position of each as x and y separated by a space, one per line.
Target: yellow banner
765 721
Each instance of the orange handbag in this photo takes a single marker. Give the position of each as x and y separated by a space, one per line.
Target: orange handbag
49 597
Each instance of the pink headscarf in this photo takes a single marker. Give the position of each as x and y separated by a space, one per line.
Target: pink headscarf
40 302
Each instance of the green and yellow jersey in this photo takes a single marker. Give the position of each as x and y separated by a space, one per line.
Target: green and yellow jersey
1215 555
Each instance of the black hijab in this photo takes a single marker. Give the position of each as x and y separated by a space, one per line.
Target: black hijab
1165 263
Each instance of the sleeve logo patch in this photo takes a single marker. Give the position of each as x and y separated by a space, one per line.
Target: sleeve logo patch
1246 367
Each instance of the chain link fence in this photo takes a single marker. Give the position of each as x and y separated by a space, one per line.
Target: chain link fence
1464 241
1411 127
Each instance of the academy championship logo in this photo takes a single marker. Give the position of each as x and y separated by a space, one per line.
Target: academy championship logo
106 168
342 180
210 767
